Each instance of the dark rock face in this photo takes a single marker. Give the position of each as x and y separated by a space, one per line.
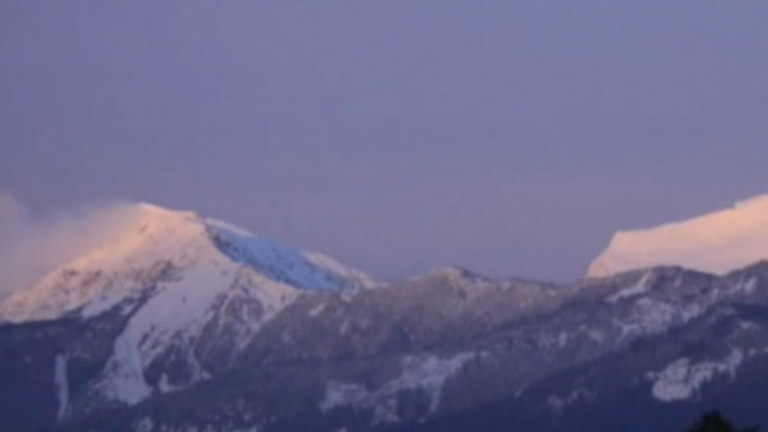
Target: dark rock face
644 350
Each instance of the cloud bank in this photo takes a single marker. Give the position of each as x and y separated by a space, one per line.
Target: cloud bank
33 245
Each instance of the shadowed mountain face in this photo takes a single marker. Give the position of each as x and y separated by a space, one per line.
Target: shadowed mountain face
192 324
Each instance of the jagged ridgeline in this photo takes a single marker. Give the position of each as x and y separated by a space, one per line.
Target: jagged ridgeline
190 324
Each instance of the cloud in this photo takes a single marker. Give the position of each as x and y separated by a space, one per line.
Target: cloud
32 246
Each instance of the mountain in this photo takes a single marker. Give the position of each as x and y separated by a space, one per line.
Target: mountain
202 253
191 324
172 279
716 358
718 242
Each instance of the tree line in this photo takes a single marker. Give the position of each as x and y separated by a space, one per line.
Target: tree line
714 421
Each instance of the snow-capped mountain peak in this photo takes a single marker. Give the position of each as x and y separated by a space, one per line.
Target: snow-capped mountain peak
173 281
715 243
150 240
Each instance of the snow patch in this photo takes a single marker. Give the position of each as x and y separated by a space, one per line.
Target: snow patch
682 379
425 372
339 394
649 316
641 287
317 310
558 341
125 373
749 286
557 403
596 336
144 425
165 386
344 327
62 385
748 325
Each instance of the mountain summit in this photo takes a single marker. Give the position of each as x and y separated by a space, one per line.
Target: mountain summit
717 243
152 240
174 276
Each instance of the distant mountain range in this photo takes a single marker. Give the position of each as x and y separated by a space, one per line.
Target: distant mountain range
190 324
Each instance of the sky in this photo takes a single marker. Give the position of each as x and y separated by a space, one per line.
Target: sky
508 137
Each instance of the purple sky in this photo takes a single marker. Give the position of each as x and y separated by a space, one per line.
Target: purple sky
509 137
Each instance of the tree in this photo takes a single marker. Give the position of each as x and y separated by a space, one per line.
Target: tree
713 421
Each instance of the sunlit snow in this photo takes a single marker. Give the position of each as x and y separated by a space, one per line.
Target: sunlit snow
172 271
683 378
716 243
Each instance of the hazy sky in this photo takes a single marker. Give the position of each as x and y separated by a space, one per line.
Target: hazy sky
509 137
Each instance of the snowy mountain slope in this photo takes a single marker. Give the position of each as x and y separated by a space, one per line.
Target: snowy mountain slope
189 276
717 243
440 345
718 360
154 241
159 240
192 324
